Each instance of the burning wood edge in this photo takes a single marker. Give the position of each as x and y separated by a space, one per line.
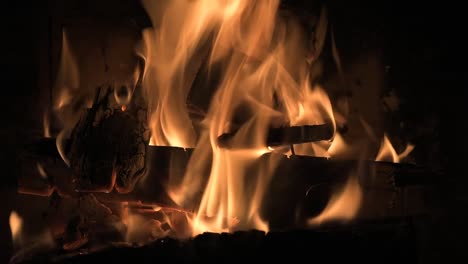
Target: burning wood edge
286 194
159 156
283 136
287 203
308 172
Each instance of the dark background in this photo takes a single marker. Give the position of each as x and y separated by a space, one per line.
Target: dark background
421 42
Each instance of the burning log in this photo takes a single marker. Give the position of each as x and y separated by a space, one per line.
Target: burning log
284 136
299 183
108 145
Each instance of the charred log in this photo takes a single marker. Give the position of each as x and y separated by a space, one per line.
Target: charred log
108 146
300 188
283 136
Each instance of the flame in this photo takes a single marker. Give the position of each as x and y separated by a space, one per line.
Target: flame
343 206
16 224
140 228
409 148
144 222
60 144
46 125
264 59
41 170
68 74
172 60
338 146
387 152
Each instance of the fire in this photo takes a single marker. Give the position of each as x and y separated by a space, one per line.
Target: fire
264 60
68 74
338 146
343 205
145 222
387 152
28 242
171 62
264 81
46 125
409 148
16 224
41 170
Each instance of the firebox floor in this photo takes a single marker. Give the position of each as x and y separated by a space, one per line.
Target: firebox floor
389 245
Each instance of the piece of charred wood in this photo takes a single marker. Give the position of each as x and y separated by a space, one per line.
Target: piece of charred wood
282 136
300 187
108 145
163 160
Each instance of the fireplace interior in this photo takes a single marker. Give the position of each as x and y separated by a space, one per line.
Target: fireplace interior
203 130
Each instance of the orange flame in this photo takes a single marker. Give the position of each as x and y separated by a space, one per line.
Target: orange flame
41 170
171 62
46 125
28 242
264 58
409 148
68 74
338 146
16 224
387 152
145 222
343 206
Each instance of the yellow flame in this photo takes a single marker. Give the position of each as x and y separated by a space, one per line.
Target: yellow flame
343 206
387 152
172 60
16 224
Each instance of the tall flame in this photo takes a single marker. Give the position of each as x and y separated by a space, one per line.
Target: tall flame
172 57
264 82
68 75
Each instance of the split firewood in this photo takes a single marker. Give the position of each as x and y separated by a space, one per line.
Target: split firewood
298 183
108 145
